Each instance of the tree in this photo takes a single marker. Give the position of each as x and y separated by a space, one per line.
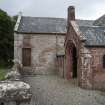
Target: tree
6 39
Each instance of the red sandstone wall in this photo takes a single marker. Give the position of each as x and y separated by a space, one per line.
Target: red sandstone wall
72 38
97 67
84 70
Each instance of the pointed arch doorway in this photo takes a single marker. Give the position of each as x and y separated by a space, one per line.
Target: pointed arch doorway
74 62
71 61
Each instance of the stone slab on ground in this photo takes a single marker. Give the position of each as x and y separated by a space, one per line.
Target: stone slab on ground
14 91
13 75
52 90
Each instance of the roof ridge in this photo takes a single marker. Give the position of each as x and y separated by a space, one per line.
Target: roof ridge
100 21
85 20
93 26
55 18
44 17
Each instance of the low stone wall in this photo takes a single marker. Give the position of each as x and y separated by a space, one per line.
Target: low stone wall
14 92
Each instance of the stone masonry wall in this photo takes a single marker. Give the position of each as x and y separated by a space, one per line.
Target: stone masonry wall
43 51
98 71
18 42
84 70
72 39
60 65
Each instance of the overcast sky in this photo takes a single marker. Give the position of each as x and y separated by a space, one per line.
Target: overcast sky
85 9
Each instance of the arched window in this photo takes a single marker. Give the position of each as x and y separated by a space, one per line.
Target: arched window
103 61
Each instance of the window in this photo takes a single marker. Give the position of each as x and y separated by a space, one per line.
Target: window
104 61
26 56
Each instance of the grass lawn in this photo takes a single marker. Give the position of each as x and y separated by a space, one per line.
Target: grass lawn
2 74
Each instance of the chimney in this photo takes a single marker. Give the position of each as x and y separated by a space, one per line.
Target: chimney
71 13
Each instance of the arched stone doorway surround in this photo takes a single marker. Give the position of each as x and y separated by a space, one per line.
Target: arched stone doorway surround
71 60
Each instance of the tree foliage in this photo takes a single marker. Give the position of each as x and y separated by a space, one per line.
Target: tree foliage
6 39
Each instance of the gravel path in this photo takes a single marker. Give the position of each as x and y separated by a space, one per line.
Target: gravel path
52 90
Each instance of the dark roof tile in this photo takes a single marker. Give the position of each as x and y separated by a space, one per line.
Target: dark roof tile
100 21
95 35
84 22
42 25
46 25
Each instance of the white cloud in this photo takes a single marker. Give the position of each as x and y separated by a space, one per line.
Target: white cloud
85 9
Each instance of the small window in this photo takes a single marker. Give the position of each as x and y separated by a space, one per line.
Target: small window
104 61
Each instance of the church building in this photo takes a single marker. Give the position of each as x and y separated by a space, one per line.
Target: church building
71 47
85 51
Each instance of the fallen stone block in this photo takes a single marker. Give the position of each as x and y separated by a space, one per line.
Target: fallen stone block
13 75
14 91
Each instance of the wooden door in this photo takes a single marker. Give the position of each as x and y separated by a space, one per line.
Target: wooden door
26 56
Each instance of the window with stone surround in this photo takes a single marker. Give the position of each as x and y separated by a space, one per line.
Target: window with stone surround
104 61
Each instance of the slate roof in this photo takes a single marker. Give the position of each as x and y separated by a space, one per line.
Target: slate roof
85 22
42 25
95 35
46 25
100 21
